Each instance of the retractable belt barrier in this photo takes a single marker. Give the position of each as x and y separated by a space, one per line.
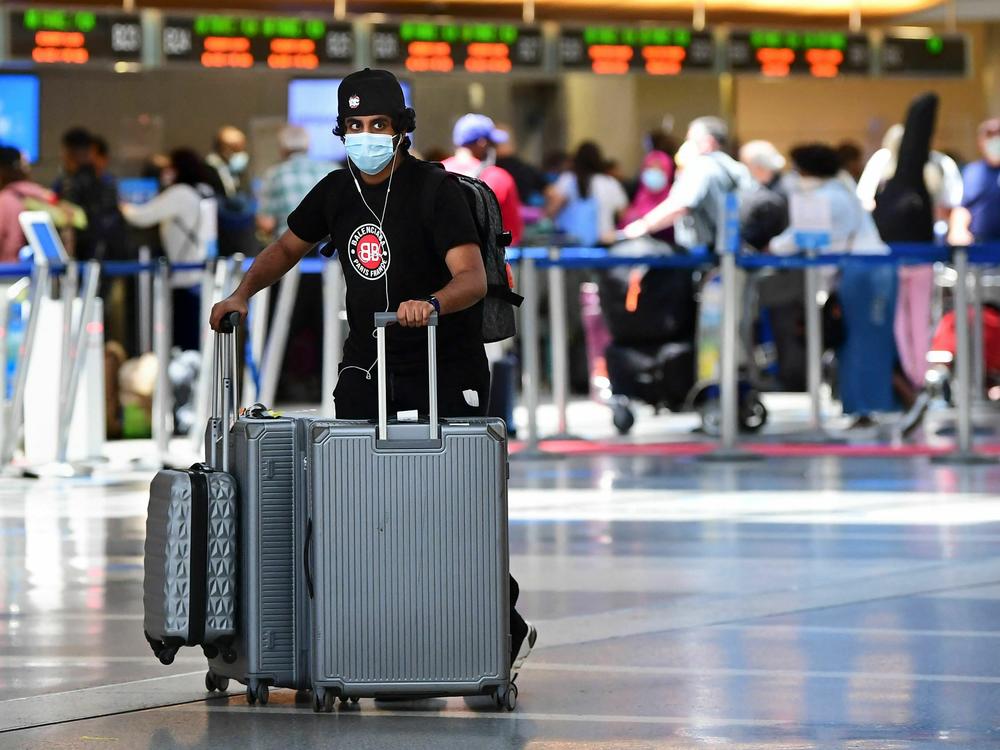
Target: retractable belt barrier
527 260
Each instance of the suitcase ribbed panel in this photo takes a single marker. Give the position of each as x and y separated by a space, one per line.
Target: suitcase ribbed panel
410 561
276 547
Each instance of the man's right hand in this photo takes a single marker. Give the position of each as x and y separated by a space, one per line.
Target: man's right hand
233 303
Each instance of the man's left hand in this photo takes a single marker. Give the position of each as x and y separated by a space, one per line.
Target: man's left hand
414 313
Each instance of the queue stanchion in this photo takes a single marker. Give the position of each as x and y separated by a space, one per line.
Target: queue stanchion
532 372
277 340
964 452
556 278
978 342
144 296
333 337
41 280
68 286
163 402
77 359
729 244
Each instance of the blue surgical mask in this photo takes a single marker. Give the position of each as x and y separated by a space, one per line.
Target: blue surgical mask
992 148
654 180
369 152
238 162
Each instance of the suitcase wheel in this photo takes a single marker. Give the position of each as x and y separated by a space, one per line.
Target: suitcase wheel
229 655
210 651
622 416
753 415
214 682
262 693
317 701
166 656
355 700
506 697
328 700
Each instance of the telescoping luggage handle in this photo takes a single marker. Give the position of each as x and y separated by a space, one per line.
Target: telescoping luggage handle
386 319
225 401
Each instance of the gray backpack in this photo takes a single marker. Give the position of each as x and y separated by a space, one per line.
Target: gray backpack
500 301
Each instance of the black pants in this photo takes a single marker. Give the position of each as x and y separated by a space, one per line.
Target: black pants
356 397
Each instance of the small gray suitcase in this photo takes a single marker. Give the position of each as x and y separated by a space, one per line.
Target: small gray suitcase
410 554
189 586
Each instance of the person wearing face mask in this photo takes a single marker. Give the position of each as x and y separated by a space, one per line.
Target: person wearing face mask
655 180
185 212
978 218
229 161
476 138
407 242
694 202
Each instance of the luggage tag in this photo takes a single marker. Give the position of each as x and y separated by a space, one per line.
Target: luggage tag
408 416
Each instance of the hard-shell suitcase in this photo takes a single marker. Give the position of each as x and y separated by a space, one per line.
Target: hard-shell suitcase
189 587
272 643
409 554
266 456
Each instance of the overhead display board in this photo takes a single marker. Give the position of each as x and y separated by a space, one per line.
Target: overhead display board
930 56
71 37
653 50
286 43
423 47
821 54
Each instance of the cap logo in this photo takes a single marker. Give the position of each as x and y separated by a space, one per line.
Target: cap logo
354 102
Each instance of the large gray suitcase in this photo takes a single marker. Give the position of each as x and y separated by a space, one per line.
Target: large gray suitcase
410 557
189 586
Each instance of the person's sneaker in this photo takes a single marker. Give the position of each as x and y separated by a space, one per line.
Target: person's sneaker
523 648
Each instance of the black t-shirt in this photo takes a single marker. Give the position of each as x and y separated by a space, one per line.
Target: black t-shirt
391 261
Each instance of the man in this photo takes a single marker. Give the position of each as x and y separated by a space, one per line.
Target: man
394 257
104 237
476 138
695 200
286 184
978 218
764 209
228 161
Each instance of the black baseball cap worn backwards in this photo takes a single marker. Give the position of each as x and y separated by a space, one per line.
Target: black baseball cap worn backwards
370 92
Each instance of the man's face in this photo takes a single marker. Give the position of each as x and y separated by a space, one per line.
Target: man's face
700 139
378 124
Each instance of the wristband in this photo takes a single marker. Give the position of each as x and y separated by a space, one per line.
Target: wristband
435 303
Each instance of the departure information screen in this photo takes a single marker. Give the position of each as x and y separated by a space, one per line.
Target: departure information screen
442 47
243 42
933 56
776 54
654 50
74 37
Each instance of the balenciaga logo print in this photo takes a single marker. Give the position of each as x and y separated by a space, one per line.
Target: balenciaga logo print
368 252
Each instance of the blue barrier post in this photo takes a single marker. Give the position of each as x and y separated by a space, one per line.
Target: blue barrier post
728 244
964 453
560 343
532 371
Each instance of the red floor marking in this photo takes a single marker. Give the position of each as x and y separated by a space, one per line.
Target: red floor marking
776 450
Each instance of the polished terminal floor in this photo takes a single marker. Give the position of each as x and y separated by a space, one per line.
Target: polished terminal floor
784 603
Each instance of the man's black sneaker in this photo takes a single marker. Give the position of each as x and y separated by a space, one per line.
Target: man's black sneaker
523 648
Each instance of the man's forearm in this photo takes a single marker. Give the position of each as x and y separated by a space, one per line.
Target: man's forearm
463 291
663 216
273 262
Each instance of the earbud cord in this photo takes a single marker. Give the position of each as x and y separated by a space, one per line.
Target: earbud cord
378 221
